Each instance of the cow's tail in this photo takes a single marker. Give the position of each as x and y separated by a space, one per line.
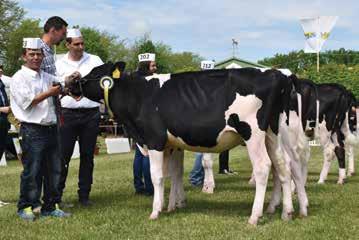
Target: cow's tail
317 110
288 91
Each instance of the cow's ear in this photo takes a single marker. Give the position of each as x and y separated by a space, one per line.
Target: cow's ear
120 65
117 69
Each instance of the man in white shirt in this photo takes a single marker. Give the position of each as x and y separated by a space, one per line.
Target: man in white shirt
81 118
30 99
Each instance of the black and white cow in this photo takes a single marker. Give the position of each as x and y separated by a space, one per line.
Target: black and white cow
207 111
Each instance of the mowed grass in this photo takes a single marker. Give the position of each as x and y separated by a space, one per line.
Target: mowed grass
120 214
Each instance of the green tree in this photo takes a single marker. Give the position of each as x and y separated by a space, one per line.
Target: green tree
10 16
13 48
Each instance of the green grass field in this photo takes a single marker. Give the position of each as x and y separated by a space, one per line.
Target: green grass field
120 214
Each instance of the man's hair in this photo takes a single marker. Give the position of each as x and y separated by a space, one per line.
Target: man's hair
68 40
1 67
54 22
144 68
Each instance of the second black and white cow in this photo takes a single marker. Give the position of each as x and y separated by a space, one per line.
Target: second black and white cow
207 111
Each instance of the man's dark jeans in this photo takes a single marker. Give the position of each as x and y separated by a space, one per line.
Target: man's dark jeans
40 152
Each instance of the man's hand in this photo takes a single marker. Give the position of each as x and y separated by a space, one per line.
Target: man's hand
54 90
4 110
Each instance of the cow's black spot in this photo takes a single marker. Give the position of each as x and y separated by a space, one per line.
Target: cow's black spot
242 128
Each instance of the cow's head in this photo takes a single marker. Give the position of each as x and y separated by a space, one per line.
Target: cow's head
92 85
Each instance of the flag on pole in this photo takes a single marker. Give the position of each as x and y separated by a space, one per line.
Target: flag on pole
316 31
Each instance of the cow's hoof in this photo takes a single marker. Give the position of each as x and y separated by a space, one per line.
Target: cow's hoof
154 215
341 182
171 209
270 209
253 221
303 213
351 173
320 182
181 204
287 216
252 182
208 189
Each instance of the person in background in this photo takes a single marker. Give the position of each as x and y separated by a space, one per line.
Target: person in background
141 163
81 117
4 111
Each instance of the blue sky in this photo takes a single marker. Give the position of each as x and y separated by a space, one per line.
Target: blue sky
263 28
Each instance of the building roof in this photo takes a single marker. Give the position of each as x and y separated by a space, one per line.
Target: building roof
234 62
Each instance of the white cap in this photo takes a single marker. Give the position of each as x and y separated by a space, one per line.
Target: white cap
143 57
73 33
207 65
33 43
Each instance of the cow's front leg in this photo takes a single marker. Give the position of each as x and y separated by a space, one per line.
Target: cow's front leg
157 176
261 166
207 162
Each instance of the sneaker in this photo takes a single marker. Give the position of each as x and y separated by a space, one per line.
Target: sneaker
55 213
26 214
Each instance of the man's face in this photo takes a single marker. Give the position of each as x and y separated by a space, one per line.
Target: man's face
58 35
152 67
1 71
33 58
76 47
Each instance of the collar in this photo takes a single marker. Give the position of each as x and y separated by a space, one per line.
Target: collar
84 57
46 47
30 72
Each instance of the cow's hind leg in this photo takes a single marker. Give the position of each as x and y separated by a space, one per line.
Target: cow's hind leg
261 165
340 153
281 163
328 157
177 196
157 176
351 169
276 193
207 162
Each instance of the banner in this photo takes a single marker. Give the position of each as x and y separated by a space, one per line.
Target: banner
316 31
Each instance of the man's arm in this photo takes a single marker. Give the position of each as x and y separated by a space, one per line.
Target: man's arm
53 91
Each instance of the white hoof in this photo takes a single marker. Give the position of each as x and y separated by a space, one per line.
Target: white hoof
252 182
303 213
253 221
208 189
154 215
181 204
321 182
341 182
287 216
350 173
171 208
270 209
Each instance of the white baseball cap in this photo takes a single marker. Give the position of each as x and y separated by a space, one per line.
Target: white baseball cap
32 43
73 33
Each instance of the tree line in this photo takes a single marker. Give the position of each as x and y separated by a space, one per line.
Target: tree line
14 27
341 66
